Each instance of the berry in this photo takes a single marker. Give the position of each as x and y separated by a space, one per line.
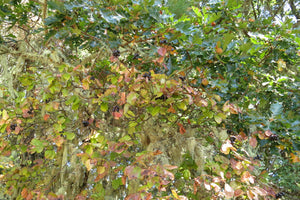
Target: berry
92 78
116 109
232 139
273 137
116 53
163 41
257 157
147 75
13 126
85 123
182 78
162 97
279 195
136 56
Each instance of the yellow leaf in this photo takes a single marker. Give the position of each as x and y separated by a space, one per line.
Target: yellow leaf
88 164
175 194
5 115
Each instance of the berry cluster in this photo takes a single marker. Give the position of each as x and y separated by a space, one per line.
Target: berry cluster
279 195
116 53
162 97
147 75
85 123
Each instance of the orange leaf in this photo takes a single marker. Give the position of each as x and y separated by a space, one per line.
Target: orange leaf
295 158
160 59
24 193
77 67
46 117
182 130
171 110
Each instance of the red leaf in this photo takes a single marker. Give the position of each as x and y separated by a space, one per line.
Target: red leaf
117 115
162 51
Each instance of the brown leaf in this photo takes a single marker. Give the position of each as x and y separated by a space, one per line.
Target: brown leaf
260 191
268 133
253 141
238 192
229 192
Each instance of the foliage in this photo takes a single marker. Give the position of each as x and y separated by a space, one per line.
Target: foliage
149 100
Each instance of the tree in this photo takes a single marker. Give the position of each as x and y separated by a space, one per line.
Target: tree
149 99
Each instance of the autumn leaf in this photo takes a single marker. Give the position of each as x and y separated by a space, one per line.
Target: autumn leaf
175 194
247 177
24 193
225 148
117 115
268 133
88 164
253 141
171 109
295 158
162 51
46 117
229 192
238 192
260 191
181 128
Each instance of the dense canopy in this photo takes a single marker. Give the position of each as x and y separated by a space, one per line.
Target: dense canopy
149 99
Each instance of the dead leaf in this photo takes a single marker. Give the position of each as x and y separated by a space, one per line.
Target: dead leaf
253 141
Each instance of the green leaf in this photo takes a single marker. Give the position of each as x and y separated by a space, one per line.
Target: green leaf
131 98
218 119
104 107
38 145
153 110
70 136
132 124
182 106
50 154
66 76
125 138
